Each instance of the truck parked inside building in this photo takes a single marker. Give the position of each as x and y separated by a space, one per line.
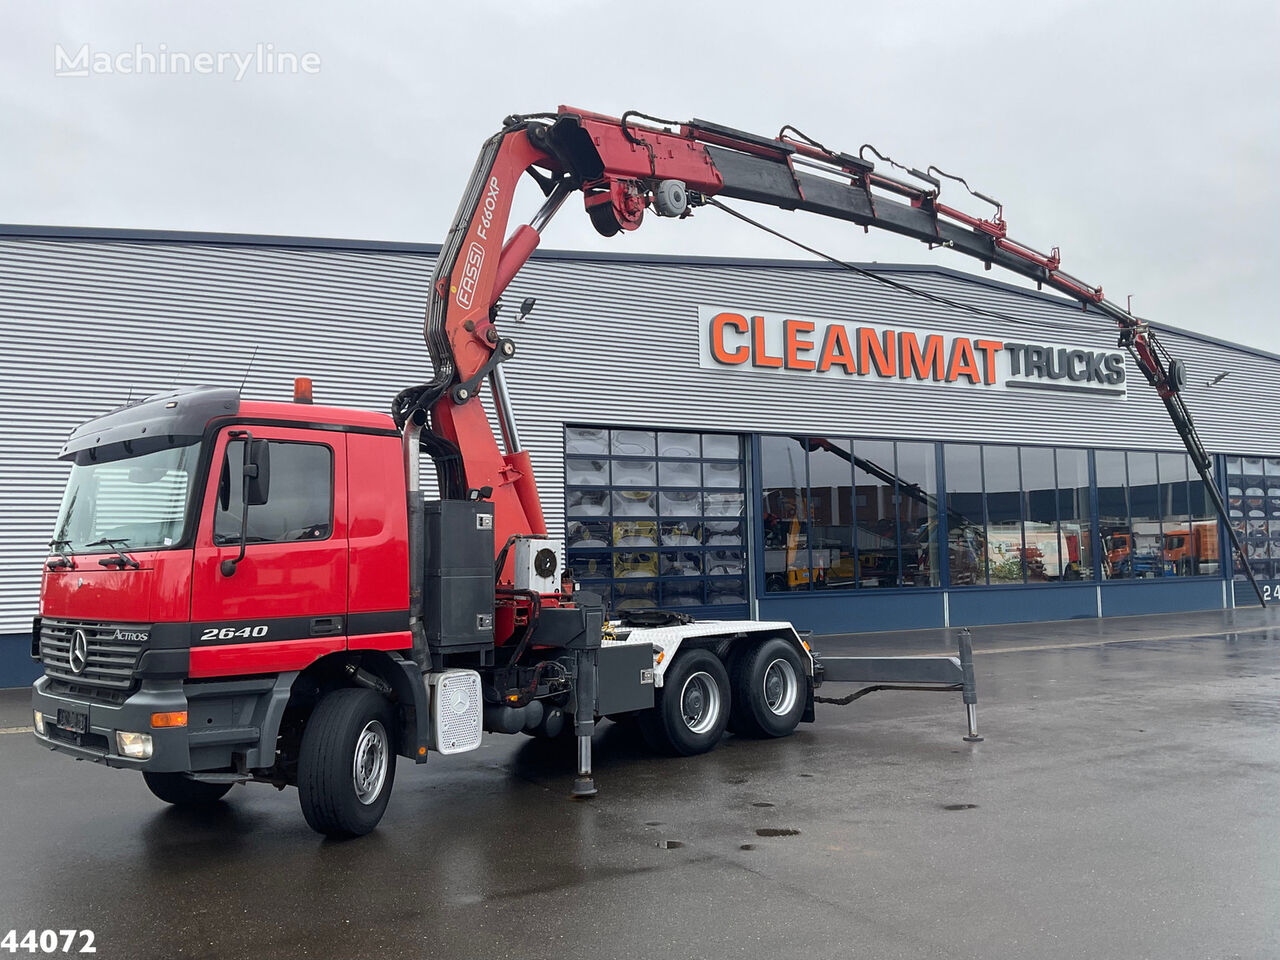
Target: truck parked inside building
242 590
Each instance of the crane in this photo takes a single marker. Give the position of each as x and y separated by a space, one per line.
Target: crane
626 166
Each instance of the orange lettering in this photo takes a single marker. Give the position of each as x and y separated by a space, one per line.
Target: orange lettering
718 323
869 349
792 329
761 358
989 350
927 366
836 350
963 361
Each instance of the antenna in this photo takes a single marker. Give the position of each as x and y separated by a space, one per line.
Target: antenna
181 370
248 369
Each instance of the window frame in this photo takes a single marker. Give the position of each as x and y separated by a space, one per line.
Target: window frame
216 469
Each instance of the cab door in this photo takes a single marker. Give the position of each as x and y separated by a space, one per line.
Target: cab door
285 603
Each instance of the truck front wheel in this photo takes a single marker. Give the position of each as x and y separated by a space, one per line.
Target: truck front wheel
182 791
768 690
691 709
347 763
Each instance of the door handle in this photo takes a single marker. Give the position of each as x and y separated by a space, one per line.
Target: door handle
326 626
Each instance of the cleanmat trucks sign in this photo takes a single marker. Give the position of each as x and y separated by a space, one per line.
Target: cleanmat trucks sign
743 340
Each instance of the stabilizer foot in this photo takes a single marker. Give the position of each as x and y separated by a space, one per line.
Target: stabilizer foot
971 714
583 788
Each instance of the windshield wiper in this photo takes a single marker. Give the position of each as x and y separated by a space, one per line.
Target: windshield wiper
121 557
64 560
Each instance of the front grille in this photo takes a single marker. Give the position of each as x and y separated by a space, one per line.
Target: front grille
111 661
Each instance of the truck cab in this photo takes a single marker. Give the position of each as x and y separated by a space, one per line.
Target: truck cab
203 540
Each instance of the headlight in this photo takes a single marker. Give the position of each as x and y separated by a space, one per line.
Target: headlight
134 745
38 721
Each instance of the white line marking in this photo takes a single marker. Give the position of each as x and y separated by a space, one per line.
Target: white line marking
1103 643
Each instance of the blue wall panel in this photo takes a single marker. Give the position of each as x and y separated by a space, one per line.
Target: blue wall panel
1133 597
857 613
972 606
16 667
1245 597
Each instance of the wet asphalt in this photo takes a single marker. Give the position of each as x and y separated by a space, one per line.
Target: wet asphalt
1125 804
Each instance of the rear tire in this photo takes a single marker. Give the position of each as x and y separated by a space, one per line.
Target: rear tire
182 791
691 709
347 763
769 690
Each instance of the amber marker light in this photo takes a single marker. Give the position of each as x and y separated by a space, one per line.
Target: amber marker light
175 719
302 390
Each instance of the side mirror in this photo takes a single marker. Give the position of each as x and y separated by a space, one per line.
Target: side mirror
257 473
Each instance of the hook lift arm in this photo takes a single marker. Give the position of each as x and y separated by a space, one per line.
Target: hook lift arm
623 167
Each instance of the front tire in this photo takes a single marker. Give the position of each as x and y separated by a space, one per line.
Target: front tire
769 690
691 709
347 763
182 791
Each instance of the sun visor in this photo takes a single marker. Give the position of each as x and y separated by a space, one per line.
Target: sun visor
169 419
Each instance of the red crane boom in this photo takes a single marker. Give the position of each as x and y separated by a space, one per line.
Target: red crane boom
623 168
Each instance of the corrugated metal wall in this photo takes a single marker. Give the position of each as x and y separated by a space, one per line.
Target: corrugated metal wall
89 321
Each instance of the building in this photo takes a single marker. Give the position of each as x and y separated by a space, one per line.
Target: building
775 438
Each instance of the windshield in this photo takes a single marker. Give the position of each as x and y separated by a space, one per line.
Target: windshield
139 502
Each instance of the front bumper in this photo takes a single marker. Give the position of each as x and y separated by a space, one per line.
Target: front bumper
230 724
170 748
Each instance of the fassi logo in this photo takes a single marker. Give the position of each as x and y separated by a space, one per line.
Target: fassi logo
470 275
474 259
778 342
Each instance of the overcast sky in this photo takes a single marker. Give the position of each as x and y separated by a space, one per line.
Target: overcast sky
1143 138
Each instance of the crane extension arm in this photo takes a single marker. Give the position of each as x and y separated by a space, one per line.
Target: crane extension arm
623 168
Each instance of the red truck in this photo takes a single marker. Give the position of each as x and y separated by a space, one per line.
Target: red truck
241 590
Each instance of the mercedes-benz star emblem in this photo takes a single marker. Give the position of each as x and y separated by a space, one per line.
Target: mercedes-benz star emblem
79 655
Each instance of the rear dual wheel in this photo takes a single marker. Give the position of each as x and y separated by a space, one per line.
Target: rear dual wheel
769 689
691 709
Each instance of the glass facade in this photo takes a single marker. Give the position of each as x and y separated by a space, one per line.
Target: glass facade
1154 517
845 514
1018 514
1253 504
1011 515
657 519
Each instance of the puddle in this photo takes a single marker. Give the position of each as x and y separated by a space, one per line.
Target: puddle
762 803
670 844
959 806
747 846
806 774
777 832
653 823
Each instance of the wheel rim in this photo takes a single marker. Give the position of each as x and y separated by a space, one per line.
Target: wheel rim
700 702
369 765
780 687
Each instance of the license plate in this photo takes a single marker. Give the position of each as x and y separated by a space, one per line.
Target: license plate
73 721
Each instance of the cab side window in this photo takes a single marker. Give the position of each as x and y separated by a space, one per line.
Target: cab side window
299 503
